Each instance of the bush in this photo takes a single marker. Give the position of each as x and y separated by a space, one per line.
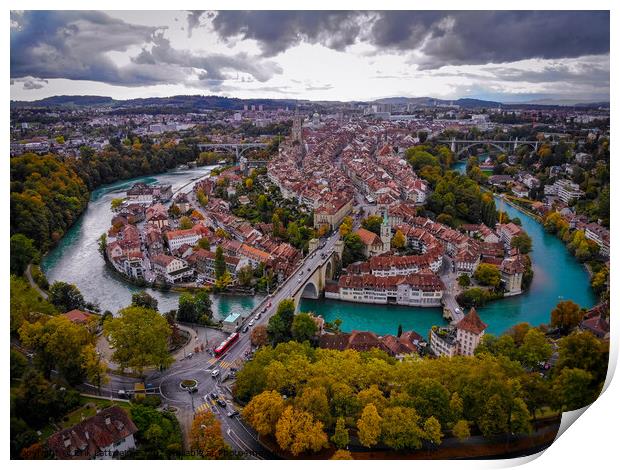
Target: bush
39 277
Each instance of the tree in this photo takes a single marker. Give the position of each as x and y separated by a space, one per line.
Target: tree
432 430
488 275
304 328
220 262
259 336
95 368
353 249
245 275
398 240
566 315
340 438
139 337
66 296
204 243
535 349
494 419
298 432
116 204
373 223
400 429
520 417
195 308
264 411
143 299
279 326
464 280
346 226
185 223
399 331
58 344
572 389
206 437
369 426
583 350
522 242
341 454
461 430
23 253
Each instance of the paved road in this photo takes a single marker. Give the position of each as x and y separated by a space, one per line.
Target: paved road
33 284
201 367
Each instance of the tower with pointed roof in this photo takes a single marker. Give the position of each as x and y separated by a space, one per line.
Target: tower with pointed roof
386 232
469 332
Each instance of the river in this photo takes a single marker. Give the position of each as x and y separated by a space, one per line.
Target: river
76 258
557 276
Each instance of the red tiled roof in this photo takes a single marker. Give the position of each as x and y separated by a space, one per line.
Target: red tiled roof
86 439
472 323
77 316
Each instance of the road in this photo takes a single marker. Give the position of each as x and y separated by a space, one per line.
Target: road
201 367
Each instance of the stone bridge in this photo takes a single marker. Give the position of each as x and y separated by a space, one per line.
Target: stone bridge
458 147
314 278
239 148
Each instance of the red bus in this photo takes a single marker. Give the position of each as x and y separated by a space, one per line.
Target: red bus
226 344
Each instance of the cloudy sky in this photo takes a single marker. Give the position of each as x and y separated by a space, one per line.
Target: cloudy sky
321 55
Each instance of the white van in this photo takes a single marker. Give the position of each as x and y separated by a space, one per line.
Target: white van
215 373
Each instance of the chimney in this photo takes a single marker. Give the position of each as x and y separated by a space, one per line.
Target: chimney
107 420
86 435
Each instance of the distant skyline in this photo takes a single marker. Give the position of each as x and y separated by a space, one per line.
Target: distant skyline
507 56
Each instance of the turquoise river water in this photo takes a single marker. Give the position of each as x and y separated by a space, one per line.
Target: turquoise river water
558 276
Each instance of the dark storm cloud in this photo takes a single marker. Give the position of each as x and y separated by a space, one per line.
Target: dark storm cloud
277 31
442 37
74 45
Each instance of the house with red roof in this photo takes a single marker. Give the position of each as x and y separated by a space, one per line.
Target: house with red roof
107 435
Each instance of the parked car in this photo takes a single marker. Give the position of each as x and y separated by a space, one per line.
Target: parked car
251 323
245 329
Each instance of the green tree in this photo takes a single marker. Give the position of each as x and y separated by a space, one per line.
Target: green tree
220 262
488 275
373 223
304 328
369 426
139 337
461 430
23 253
185 223
204 243
66 296
464 280
280 325
143 299
572 389
116 204
400 429
432 430
58 344
494 419
340 438
535 349
520 417
522 242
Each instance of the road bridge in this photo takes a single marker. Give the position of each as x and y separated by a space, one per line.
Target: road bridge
238 147
459 146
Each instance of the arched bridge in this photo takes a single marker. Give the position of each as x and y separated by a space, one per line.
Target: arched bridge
239 148
458 147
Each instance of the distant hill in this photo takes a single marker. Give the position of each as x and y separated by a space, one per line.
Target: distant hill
427 101
188 103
